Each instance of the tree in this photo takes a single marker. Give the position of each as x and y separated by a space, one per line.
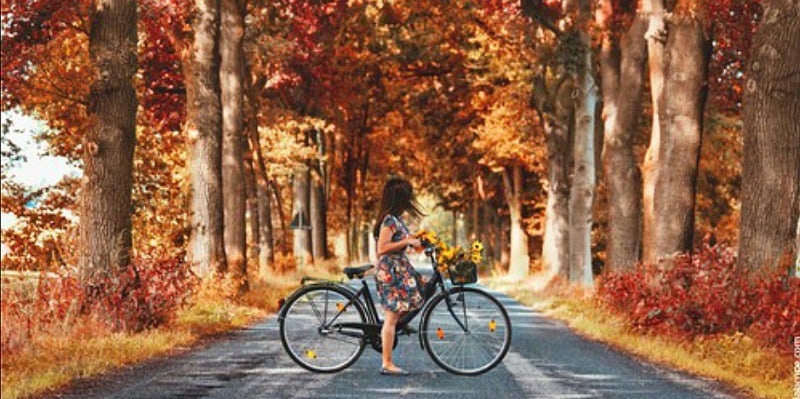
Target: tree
624 51
769 226
687 53
204 128
105 205
656 37
232 100
583 171
318 203
512 184
303 252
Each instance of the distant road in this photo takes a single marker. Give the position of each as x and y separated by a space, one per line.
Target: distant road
546 360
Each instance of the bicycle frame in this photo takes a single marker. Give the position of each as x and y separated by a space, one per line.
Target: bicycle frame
371 330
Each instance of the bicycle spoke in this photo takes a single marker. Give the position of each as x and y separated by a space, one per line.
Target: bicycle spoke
306 337
481 346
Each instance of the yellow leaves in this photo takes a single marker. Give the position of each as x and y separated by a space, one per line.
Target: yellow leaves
284 133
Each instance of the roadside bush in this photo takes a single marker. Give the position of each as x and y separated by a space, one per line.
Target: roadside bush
146 294
704 293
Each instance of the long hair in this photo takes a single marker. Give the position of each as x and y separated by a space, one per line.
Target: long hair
398 197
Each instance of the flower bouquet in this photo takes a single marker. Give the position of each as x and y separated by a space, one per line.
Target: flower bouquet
461 264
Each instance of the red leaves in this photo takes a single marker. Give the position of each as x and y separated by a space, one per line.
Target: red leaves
706 294
145 295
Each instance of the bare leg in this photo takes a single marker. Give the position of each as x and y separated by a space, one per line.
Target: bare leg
387 336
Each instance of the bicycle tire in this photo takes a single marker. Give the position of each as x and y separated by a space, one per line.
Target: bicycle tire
438 323
313 353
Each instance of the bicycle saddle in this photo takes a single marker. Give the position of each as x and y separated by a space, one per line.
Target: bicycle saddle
357 272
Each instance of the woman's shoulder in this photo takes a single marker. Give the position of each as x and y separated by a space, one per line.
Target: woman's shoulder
389 220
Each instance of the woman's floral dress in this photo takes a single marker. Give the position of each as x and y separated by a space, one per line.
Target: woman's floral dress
396 278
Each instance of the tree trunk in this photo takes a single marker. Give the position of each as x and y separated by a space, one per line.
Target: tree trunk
656 37
622 87
265 243
583 172
771 166
251 203
555 243
364 235
502 244
204 127
475 213
105 206
319 235
232 98
302 237
454 228
266 236
520 261
319 206
797 250
688 50
276 191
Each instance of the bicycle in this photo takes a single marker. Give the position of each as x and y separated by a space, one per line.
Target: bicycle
325 325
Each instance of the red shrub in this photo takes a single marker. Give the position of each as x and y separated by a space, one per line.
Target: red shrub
705 294
776 310
145 295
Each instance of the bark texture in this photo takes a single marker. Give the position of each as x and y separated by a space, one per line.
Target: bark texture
318 205
622 72
319 239
687 54
232 98
556 111
105 206
583 171
302 237
656 38
251 203
265 243
519 262
204 127
555 246
771 168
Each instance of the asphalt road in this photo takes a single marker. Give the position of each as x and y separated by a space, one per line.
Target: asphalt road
546 360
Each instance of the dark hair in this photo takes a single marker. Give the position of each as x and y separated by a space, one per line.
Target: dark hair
398 197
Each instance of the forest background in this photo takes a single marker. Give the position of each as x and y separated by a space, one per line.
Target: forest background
597 143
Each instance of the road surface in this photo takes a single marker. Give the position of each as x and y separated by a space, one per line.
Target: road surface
546 360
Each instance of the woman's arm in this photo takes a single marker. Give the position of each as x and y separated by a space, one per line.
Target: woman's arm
385 244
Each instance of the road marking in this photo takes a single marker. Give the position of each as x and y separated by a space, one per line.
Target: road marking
533 381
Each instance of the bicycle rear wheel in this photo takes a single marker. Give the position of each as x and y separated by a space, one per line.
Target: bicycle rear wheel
469 337
310 328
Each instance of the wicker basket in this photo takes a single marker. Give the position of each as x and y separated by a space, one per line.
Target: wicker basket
464 272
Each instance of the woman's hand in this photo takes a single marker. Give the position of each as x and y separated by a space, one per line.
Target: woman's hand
413 242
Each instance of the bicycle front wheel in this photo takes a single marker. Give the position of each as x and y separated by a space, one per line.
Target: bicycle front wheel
466 332
311 332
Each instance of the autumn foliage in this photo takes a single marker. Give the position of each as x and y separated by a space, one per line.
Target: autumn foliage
704 293
146 295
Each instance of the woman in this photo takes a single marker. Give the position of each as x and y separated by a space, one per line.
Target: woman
395 276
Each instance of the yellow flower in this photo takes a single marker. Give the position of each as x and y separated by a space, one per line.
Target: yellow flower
476 258
448 254
477 246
